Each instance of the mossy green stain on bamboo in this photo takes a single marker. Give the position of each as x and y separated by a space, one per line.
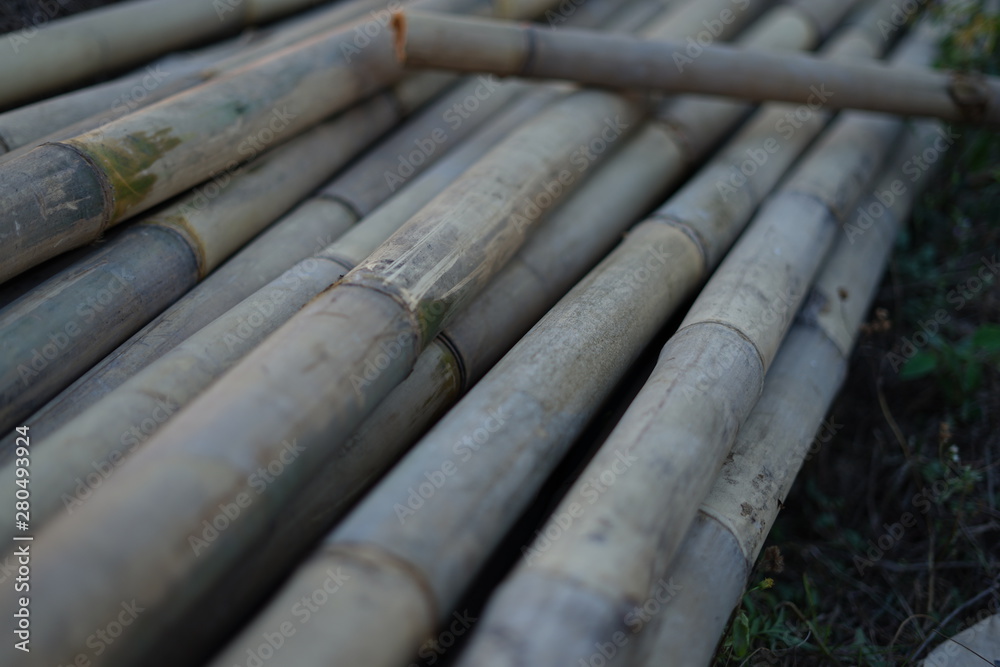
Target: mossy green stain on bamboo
126 162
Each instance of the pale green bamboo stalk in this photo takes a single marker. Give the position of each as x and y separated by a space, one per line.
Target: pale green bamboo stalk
49 338
407 581
740 510
100 438
673 438
384 311
63 194
589 57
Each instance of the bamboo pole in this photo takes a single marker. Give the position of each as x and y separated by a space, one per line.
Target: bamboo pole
80 111
300 234
52 54
590 57
302 385
578 590
349 197
717 554
49 337
378 555
64 194
124 419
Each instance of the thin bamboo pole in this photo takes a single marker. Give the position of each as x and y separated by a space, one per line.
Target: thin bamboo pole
590 57
378 555
119 423
297 236
52 54
64 194
49 338
302 384
718 552
578 590
80 111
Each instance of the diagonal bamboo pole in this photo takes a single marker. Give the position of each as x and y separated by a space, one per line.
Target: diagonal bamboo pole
715 559
79 111
589 57
379 173
383 312
578 590
402 573
63 194
58 330
291 239
118 424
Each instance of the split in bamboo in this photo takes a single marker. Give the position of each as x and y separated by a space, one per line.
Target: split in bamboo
591 57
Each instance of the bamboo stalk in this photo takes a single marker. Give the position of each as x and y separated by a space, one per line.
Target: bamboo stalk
79 111
718 552
377 554
64 194
590 57
300 234
49 55
124 419
303 384
352 195
579 590
49 338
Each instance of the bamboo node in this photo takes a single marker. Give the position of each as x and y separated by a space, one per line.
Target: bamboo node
399 35
969 93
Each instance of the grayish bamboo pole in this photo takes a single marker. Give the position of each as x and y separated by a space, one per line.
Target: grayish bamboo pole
58 330
718 552
590 57
301 233
578 591
82 110
64 194
300 385
304 231
51 54
119 423
398 576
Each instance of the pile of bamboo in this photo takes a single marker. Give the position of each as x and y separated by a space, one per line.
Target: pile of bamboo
300 328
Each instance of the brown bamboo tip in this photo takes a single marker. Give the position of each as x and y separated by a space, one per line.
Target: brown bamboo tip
399 30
